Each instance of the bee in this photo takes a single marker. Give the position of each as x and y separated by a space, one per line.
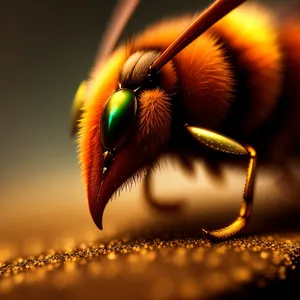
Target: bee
220 86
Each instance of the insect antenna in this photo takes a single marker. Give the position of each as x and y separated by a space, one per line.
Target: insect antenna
121 14
209 17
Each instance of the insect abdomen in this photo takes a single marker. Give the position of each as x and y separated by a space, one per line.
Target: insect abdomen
250 38
266 109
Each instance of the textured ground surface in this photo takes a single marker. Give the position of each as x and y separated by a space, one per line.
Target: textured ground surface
180 268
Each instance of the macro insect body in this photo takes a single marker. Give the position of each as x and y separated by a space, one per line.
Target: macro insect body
208 87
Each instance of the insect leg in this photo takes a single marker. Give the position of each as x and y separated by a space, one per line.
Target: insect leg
151 201
246 208
219 142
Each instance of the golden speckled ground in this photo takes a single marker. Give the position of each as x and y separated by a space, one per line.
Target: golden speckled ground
180 268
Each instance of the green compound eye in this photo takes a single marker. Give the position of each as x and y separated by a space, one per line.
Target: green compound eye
117 118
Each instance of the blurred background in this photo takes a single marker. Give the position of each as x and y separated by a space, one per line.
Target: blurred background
47 48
